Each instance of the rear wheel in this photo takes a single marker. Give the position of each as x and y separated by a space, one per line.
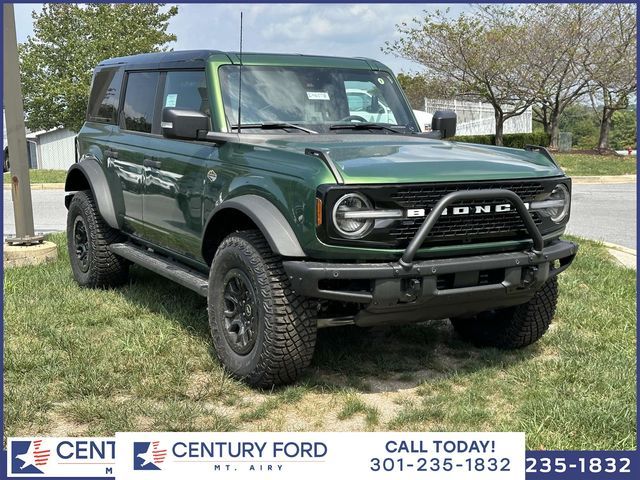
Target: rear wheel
262 331
514 327
88 240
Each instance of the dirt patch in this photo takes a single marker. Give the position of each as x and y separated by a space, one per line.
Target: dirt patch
61 426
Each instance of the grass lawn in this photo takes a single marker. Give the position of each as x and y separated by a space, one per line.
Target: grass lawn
41 176
577 164
91 362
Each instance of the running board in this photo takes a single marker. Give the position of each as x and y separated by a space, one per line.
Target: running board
185 276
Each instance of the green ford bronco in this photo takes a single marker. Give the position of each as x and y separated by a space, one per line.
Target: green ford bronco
297 192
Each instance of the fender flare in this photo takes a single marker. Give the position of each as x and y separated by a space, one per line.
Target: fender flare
268 219
95 176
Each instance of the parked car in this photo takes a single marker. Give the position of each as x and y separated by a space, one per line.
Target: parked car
290 212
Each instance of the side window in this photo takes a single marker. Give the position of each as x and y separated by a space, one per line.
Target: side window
139 101
105 96
186 89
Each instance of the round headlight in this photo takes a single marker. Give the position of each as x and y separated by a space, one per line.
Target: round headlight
563 198
350 226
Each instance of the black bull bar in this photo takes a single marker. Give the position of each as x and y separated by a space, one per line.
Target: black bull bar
410 285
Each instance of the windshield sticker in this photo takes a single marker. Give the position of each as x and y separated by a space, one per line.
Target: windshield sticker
318 96
172 100
381 81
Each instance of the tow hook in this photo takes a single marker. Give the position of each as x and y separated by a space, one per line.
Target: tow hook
529 275
413 288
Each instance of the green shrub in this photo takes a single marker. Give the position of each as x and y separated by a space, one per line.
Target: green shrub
515 140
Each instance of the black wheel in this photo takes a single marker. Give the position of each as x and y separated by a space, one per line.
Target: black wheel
88 240
262 331
514 327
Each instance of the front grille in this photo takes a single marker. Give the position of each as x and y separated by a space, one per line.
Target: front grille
470 228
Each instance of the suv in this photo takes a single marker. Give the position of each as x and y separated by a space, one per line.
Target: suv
250 180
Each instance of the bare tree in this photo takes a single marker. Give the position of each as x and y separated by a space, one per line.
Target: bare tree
483 55
611 65
560 38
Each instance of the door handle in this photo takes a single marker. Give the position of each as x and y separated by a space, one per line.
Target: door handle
111 153
147 162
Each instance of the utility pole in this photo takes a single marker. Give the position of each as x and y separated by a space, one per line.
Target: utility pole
20 184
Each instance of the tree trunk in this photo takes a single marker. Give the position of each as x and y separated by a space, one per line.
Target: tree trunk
554 131
605 129
499 127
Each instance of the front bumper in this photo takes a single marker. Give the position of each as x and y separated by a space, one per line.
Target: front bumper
432 289
409 290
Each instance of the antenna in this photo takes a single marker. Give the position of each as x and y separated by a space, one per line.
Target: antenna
240 81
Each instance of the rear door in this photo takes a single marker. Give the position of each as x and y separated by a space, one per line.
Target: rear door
131 141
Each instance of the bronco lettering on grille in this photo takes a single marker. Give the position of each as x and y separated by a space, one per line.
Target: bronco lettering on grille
465 210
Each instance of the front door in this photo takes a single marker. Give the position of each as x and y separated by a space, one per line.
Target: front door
176 170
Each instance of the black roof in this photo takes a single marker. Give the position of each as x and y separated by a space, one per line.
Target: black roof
183 58
198 59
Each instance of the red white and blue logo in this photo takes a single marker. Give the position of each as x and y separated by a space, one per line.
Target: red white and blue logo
148 455
28 456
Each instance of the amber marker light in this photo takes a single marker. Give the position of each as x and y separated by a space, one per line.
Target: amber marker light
318 211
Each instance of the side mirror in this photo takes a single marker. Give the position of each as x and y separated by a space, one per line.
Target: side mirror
445 122
180 123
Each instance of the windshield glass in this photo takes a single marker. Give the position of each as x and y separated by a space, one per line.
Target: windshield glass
314 98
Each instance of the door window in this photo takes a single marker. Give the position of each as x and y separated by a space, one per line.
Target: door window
187 90
139 101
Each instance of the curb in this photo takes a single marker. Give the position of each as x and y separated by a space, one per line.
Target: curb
626 257
40 186
603 179
620 248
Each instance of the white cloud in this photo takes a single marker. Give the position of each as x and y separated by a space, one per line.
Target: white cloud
351 30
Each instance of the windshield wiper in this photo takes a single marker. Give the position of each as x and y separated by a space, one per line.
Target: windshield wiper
273 126
364 126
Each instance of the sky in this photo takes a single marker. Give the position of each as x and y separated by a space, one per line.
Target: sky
350 30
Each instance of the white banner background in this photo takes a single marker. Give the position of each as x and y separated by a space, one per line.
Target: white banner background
331 455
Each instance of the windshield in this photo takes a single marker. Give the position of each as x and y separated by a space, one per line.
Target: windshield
314 98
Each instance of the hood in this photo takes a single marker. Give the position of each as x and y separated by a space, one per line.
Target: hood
372 158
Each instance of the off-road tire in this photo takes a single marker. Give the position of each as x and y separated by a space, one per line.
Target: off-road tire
514 327
103 268
285 334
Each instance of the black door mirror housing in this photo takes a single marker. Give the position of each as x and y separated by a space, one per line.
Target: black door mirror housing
181 123
445 122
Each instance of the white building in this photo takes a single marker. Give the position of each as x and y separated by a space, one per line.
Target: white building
52 149
478 118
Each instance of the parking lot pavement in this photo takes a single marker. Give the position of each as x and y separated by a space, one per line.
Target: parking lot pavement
599 212
49 212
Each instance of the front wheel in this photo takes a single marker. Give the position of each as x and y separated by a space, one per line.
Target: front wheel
263 332
513 327
88 240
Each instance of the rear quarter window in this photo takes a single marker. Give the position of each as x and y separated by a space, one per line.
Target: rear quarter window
105 96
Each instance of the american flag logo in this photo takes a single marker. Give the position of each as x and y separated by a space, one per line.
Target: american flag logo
148 455
29 456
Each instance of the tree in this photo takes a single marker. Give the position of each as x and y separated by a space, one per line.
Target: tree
612 66
69 40
563 35
483 55
418 87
